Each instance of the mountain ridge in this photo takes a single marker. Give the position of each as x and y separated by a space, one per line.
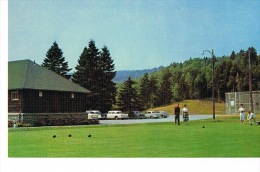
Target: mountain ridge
122 75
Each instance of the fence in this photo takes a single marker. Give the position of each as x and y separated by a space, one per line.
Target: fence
234 99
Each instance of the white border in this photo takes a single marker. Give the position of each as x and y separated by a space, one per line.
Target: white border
97 164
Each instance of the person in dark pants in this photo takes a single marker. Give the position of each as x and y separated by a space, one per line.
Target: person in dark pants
177 114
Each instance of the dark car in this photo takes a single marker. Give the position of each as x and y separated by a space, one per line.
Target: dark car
135 115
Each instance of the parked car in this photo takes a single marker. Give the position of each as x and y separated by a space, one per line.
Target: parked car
164 114
136 115
152 114
93 114
116 115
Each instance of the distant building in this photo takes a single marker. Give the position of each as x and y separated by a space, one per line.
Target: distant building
35 89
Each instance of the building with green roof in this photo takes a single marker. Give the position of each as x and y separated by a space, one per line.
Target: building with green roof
36 89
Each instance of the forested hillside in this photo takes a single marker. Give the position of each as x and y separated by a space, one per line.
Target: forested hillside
123 75
191 79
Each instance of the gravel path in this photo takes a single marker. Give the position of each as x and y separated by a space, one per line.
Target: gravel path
136 121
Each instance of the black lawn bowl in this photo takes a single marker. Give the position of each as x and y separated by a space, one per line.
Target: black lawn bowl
89 135
54 136
69 135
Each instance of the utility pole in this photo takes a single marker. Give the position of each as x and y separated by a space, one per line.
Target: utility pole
250 82
213 79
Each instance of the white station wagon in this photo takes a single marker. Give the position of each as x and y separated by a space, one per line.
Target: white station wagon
93 114
116 115
152 114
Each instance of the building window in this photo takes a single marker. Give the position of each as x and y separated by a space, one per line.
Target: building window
72 95
40 93
14 96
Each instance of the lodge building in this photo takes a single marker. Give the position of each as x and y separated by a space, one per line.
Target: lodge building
35 89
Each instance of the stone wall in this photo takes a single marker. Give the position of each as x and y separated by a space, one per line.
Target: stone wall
50 119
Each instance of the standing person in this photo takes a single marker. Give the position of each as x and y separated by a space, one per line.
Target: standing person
241 111
185 114
177 114
251 117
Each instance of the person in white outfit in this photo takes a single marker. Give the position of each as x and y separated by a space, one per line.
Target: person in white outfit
241 111
251 117
185 114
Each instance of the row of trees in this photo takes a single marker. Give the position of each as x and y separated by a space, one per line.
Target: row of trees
191 79
94 71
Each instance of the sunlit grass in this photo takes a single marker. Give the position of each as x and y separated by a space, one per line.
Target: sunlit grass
199 107
225 137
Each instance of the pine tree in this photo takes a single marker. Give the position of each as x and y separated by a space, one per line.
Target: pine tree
154 99
165 88
145 91
127 97
107 92
55 61
81 73
233 55
87 72
231 84
95 71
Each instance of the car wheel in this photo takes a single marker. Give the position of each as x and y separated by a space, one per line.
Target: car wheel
116 117
151 117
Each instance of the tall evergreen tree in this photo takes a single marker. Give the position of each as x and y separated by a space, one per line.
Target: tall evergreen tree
145 92
55 61
231 84
107 92
165 88
87 72
233 55
127 97
87 67
81 73
153 92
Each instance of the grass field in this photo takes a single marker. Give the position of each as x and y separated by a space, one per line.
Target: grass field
225 137
202 107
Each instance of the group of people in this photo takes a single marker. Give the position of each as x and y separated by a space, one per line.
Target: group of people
250 117
177 111
185 114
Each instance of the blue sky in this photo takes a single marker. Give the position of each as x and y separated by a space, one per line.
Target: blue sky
140 34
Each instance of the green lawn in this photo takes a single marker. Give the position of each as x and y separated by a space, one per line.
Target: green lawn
196 107
224 138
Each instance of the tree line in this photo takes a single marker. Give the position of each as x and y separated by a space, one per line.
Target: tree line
95 71
191 79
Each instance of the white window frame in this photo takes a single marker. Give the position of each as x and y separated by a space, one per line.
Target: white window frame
14 96
40 93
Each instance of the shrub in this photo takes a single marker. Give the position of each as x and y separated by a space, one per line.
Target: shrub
24 125
61 120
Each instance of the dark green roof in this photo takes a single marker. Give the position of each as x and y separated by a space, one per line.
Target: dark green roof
25 74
